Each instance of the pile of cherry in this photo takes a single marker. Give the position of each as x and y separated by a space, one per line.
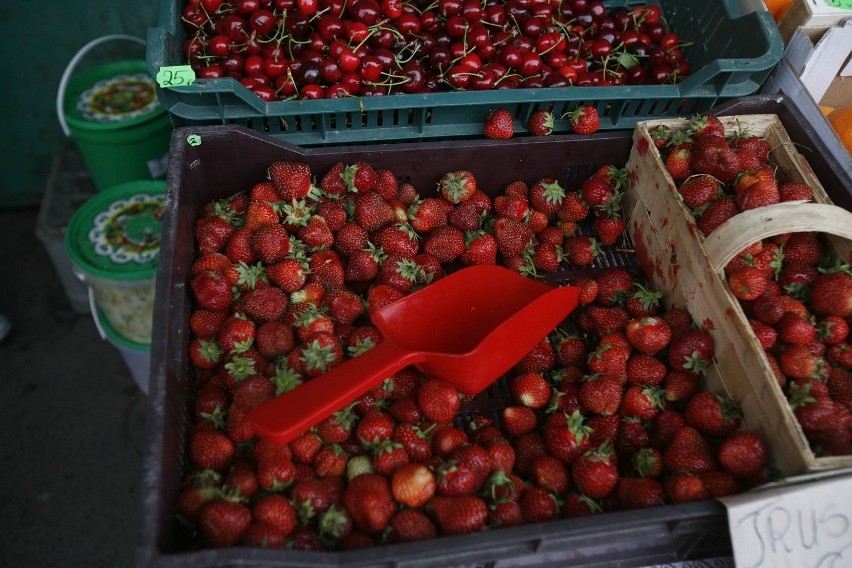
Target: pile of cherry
606 413
313 49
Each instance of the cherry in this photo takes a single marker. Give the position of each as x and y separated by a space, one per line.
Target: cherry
391 9
219 45
264 92
348 61
415 77
366 11
329 27
212 71
245 7
262 21
370 69
308 7
449 7
331 71
337 91
233 63
195 17
233 26
472 11
530 64
669 41
253 65
274 68
495 15
211 6
483 80
313 92
409 25
352 82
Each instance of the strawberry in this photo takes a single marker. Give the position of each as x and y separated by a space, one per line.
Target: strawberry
512 236
211 290
609 228
798 362
459 514
642 402
290 274
677 163
685 488
758 195
717 212
689 452
803 248
413 484
690 349
275 471
546 195
660 135
607 320
704 124
386 184
222 523
236 334
751 144
515 207
720 484
747 283
445 243
211 449
204 354
331 182
372 212
648 335
291 179
601 395
832 329
499 125
538 505
359 177
795 191
639 493
271 243
581 250
565 436
584 119
439 400
713 415
259 213
550 474
316 234
643 369
793 328
381 295
321 352
597 192
480 248
595 472
264 303
426 214
573 208
518 420
388 456
344 305
742 454
276 510
398 238
457 186
410 525
330 461
369 500
530 389
211 233
831 294
765 334
697 191
540 123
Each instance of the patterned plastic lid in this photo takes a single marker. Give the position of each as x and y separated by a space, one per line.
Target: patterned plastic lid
116 234
119 98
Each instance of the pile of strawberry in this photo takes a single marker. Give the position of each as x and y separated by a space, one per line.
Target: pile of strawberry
799 303
797 297
605 414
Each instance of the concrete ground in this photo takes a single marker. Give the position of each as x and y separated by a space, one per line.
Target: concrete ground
72 421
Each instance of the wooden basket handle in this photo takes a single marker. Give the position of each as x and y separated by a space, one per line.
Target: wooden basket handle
753 225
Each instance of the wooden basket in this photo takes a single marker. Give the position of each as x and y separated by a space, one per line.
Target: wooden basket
689 270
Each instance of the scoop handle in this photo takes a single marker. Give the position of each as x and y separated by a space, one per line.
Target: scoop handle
284 418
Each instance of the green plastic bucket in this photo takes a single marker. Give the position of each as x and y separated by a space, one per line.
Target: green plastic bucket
112 114
113 241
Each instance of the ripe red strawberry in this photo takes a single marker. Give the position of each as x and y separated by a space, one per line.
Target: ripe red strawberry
643 369
410 525
372 212
270 242
614 284
515 207
639 492
222 522
540 123
275 471
290 274
746 142
607 320
798 362
426 214
595 472
690 349
660 134
211 233
566 436
713 415
546 195
459 514
439 400
399 239
747 283
642 402
499 125
758 195
831 294
481 248
697 191
211 290
446 243
369 500
415 440
584 119
648 335
795 191
601 395
259 213
275 509
413 484
321 352
291 179
546 257
581 250
236 334
677 163
765 334
685 488
388 456
457 186
609 228
793 328
359 177
211 449
705 124
832 329
573 208
512 236
381 295
597 192
689 452
717 212
803 248
518 420
538 505
204 354
743 455
264 303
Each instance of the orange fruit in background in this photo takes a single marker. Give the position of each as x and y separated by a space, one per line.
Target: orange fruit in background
826 110
777 8
841 120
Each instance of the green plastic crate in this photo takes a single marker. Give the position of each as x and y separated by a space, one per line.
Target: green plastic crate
731 56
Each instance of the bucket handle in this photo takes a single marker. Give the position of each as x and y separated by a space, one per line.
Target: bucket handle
63 82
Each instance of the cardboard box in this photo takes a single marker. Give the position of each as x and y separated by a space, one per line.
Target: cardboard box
816 15
822 62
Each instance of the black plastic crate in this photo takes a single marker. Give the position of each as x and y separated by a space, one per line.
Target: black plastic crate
221 161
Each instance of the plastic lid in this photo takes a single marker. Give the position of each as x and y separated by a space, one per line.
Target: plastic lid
116 234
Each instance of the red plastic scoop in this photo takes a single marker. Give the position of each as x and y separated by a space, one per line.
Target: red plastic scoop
468 328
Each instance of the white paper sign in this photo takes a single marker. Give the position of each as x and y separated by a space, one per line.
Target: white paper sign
797 526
